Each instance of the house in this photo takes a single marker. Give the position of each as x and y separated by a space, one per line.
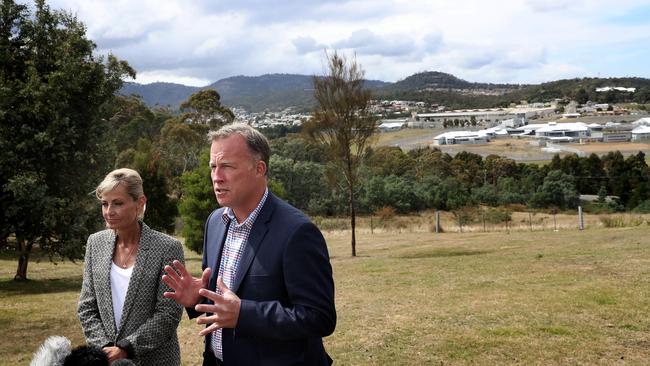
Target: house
642 122
641 133
461 138
526 130
563 132
617 88
391 125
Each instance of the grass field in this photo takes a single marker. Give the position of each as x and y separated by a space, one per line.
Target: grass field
412 297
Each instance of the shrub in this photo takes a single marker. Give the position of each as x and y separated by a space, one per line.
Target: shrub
385 213
621 221
497 216
643 207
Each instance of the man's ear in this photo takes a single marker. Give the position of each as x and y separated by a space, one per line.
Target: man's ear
261 168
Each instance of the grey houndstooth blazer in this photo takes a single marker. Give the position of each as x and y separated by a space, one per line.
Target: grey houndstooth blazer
149 321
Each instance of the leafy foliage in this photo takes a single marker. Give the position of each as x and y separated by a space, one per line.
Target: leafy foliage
53 90
197 203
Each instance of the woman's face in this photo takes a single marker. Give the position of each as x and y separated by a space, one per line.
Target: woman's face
119 209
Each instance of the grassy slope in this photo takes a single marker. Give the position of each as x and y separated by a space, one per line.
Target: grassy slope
414 298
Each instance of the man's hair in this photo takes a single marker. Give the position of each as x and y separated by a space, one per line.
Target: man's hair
256 142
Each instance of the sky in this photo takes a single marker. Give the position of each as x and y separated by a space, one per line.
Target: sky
509 41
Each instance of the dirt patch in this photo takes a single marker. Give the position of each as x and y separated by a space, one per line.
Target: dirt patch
605 147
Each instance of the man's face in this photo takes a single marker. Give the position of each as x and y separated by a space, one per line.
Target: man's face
237 176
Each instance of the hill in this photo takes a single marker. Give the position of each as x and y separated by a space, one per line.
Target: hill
254 93
160 94
279 91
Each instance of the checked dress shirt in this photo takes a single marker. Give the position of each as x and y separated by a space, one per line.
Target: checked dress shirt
233 248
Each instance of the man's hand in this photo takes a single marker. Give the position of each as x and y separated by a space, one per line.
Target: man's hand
185 287
114 353
225 310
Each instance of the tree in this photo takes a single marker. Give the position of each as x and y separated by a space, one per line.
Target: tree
468 168
180 145
51 128
302 181
342 123
205 107
557 190
387 160
581 96
161 209
197 203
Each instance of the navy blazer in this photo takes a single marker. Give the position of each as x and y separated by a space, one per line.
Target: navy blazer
285 284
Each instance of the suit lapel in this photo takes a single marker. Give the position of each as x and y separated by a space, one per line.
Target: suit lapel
138 274
103 285
255 238
216 235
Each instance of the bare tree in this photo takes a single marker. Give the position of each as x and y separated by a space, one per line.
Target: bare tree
342 123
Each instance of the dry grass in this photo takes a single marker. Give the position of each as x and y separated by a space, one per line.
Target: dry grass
521 221
602 148
412 297
562 298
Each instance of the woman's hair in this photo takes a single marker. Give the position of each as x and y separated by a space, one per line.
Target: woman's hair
129 178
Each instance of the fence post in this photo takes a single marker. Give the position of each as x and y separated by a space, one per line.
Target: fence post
530 220
483 215
581 219
371 226
437 216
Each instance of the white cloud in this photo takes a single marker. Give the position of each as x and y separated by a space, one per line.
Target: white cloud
479 40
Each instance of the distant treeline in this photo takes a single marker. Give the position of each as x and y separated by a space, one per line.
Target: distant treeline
430 179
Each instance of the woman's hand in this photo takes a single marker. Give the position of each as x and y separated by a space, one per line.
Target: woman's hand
114 353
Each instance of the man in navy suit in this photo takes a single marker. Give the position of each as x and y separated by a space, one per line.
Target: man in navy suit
270 298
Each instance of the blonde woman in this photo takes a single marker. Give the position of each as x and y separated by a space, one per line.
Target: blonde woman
121 307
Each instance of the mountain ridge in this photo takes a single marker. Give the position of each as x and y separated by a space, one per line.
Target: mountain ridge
279 91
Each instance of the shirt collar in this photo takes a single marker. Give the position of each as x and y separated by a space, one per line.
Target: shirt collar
228 215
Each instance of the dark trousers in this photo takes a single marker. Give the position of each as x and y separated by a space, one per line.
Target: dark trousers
209 359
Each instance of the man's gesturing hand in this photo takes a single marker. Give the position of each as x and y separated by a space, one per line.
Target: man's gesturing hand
225 310
185 287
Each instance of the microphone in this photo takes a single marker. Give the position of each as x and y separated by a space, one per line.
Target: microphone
123 362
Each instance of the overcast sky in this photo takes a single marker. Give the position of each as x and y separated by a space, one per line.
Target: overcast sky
198 42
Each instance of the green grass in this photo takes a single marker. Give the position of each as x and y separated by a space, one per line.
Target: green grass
417 298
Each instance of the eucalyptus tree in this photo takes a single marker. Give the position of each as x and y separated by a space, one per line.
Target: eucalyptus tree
343 124
53 89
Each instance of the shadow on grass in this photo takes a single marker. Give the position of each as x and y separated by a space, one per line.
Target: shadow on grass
442 252
9 287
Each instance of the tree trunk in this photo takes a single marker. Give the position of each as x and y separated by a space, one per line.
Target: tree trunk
23 260
352 221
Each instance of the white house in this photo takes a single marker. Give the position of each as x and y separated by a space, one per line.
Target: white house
526 130
641 133
391 125
563 132
642 122
618 88
461 137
